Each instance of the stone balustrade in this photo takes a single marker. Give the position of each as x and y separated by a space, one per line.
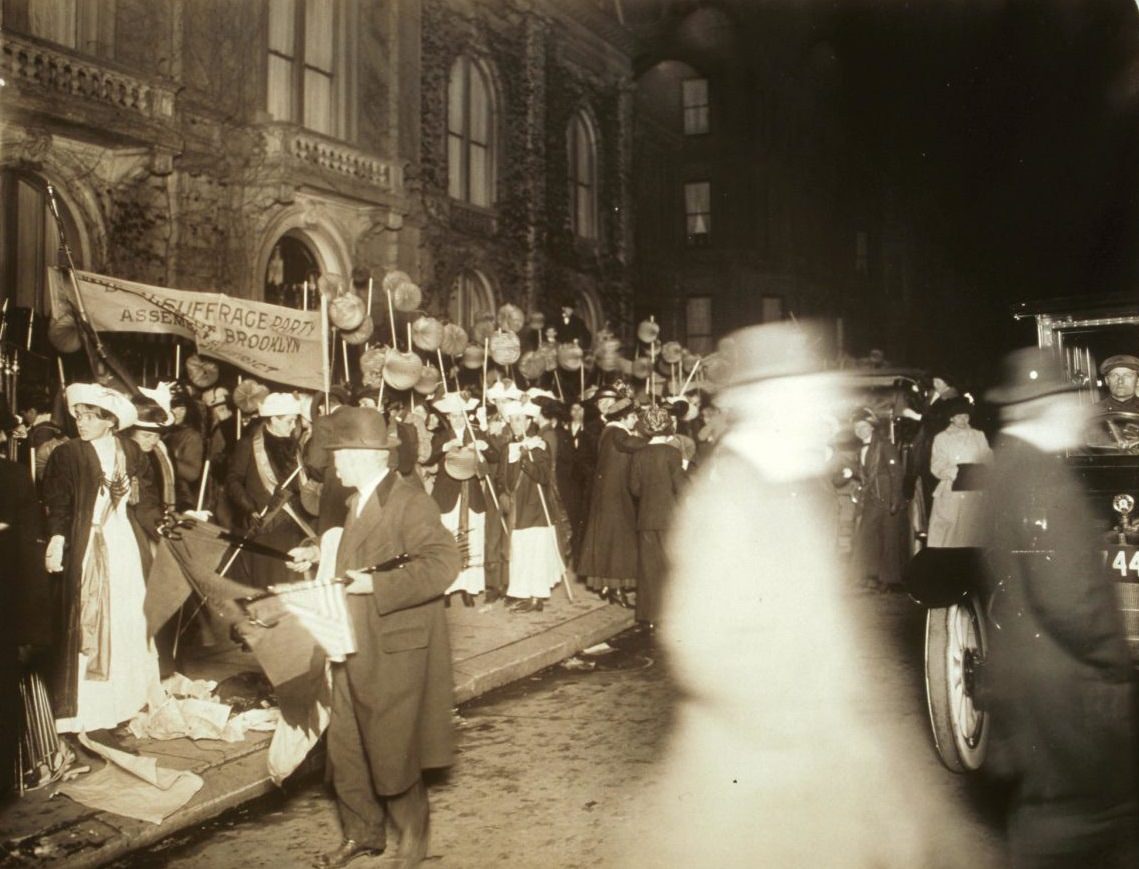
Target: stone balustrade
32 65
333 156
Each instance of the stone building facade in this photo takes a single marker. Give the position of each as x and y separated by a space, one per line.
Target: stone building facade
246 147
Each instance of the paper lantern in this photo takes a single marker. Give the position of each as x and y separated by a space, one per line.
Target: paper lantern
537 320
642 367
454 340
428 381
406 297
63 332
402 370
427 334
505 348
549 354
511 318
372 365
346 311
393 279
671 352
483 328
648 331
203 373
461 463
532 366
360 277
570 356
361 334
248 395
473 356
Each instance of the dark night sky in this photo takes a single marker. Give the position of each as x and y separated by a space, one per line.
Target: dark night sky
1013 126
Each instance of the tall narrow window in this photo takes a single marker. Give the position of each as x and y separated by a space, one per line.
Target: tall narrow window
84 25
698 211
470 295
29 241
694 93
302 73
470 125
583 177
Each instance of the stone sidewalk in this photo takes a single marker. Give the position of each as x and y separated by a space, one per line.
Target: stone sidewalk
491 647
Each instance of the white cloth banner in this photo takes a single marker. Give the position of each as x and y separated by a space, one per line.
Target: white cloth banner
272 341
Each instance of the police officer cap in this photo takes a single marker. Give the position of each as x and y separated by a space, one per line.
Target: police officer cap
1120 361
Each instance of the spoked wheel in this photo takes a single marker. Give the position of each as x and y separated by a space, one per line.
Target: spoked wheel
955 644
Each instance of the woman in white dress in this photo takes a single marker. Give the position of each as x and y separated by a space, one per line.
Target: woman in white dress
956 519
98 492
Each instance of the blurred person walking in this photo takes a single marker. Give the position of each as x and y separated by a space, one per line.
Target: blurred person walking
773 763
880 520
1058 678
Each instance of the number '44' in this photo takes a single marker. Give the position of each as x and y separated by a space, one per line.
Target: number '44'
1121 564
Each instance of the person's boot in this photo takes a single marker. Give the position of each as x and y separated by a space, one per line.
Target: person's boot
467 599
492 594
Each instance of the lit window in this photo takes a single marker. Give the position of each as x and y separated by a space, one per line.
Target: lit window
583 177
470 296
698 211
302 80
470 123
695 96
84 25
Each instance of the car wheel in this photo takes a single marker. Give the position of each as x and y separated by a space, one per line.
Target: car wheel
955 643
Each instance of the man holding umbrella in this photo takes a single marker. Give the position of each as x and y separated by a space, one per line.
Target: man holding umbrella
391 703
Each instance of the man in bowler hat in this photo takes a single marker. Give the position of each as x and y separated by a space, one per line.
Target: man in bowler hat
1058 678
391 700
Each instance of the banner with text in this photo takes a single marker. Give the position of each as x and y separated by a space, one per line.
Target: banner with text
272 341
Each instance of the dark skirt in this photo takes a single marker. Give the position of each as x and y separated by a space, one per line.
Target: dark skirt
653 573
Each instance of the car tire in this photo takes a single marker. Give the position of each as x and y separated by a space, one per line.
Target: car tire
955 640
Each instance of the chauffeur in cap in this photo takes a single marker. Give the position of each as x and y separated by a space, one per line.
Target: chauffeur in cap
1120 374
1058 680
391 702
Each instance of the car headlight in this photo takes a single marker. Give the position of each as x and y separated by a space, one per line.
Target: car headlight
1123 504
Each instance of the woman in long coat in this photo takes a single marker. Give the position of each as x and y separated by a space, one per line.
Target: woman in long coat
957 518
95 490
656 476
609 550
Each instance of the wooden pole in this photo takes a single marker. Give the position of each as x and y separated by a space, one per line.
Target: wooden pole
485 354
691 374
324 349
391 318
443 371
202 485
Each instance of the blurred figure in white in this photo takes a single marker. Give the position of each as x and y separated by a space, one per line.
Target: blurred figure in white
957 518
781 755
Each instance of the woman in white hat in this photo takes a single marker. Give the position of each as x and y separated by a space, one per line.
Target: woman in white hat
96 490
457 490
524 474
264 459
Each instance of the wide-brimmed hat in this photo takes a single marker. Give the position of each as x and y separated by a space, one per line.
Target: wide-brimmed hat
654 420
1027 374
153 407
508 409
620 407
110 400
504 390
1122 360
453 402
359 428
957 405
771 350
279 404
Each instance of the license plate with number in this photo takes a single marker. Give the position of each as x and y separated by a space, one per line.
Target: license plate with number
1122 562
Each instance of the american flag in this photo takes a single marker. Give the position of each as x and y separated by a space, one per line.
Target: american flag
321 606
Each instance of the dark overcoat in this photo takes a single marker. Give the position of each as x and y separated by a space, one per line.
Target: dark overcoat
400 676
880 531
70 487
609 547
1058 678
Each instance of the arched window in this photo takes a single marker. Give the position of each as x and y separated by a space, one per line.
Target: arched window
470 134
290 265
582 142
471 295
29 241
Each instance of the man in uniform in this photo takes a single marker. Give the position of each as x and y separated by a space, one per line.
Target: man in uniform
1119 374
391 703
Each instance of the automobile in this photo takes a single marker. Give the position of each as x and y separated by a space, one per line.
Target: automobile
1083 332
887 392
